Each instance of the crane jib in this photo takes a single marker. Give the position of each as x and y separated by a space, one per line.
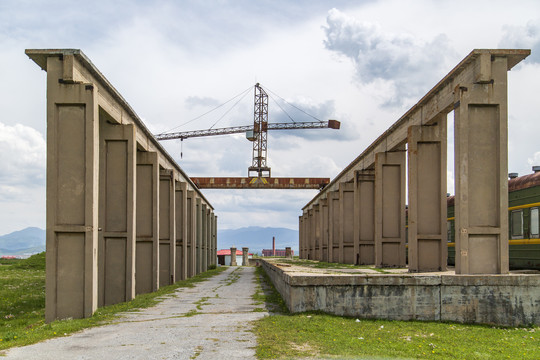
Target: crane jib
331 124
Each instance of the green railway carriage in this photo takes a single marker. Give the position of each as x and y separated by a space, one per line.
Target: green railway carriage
523 222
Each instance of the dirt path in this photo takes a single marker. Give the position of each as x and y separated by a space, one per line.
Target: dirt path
209 321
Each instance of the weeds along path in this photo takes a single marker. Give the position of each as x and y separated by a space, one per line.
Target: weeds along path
209 321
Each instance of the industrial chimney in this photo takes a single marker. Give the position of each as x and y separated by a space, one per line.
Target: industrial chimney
273 246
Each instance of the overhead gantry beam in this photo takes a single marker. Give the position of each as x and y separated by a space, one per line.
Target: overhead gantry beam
259 183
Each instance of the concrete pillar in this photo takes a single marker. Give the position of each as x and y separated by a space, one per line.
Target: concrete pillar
204 238
180 203
346 223
428 250
198 235
390 209
147 205
300 236
167 228
245 261
288 252
305 222
334 228
191 221
116 254
72 195
215 240
364 217
316 232
481 167
324 230
310 234
208 238
233 256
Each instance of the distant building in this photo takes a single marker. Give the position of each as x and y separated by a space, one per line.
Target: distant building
276 252
273 251
224 257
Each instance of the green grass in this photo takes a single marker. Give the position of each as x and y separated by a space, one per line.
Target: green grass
329 265
287 336
327 335
267 294
22 304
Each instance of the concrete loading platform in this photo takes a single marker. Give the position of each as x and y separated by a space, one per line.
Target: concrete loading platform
507 300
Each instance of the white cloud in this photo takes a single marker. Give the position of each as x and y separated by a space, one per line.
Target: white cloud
22 156
22 177
523 37
534 160
407 62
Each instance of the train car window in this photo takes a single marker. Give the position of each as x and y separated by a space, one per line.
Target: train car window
449 238
535 224
516 224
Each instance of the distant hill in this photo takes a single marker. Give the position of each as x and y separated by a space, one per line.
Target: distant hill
32 240
27 241
258 238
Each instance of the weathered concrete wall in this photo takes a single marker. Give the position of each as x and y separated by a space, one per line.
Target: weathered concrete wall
511 300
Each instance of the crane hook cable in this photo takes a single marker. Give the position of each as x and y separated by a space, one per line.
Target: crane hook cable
294 106
282 109
208 112
226 112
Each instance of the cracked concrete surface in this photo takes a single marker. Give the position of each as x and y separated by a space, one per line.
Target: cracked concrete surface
210 321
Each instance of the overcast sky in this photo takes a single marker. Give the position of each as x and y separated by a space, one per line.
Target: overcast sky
361 62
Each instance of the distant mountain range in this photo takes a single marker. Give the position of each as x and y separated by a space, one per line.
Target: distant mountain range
27 241
257 238
32 240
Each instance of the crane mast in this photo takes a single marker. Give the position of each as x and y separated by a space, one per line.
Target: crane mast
259 173
260 129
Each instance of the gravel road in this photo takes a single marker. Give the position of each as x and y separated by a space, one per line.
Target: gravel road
210 321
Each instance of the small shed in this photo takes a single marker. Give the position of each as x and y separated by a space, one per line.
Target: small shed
224 257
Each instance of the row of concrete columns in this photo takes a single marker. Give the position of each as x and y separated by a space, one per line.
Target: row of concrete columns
360 217
122 217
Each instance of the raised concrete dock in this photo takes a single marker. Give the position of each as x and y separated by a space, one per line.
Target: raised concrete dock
396 294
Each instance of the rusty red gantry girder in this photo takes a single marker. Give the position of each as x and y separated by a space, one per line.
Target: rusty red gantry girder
259 173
